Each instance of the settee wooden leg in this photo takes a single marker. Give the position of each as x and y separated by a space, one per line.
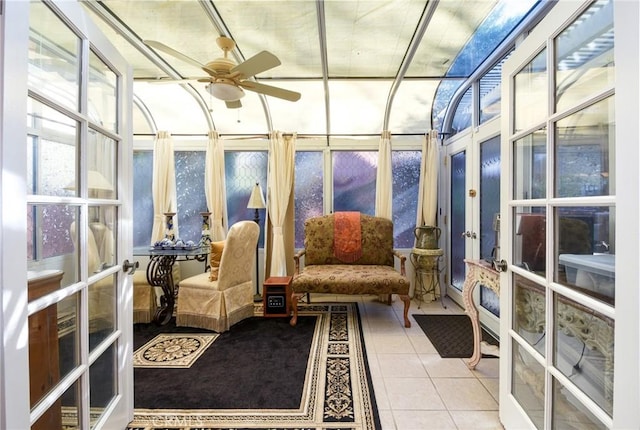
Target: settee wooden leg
294 304
407 302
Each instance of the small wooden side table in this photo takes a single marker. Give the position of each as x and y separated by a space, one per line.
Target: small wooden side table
276 296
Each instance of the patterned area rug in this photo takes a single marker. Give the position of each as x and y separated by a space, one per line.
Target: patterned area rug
337 394
173 350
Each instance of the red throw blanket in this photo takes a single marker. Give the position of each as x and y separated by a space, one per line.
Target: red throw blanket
347 236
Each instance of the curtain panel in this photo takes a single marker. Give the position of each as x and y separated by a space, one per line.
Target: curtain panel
279 195
428 187
163 184
215 188
384 182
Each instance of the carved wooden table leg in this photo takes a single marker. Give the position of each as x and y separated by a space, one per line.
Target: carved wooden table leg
294 305
478 273
407 302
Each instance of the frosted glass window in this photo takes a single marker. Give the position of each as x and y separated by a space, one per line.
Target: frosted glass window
142 197
242 170
405 166
308 193
489 207
354 181
458 218
190 193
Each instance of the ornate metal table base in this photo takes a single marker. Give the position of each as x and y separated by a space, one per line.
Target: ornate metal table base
160 274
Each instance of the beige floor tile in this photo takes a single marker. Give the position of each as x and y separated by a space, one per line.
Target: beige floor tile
492 385
423 420
465 394
487 368
401 366
438 367
422 344
380 390
412 394
386 420
476 420
387 343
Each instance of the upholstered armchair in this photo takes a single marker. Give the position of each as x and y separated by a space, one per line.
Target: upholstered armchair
218 304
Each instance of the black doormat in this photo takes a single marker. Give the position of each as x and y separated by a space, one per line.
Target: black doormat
265 374
451 335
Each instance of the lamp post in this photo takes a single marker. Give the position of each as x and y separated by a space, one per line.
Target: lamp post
256 201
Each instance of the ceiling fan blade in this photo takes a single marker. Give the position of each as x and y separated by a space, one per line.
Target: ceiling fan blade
235 104
268 90
257 64
167 50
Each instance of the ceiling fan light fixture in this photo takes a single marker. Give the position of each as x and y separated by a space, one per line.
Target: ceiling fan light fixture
224 91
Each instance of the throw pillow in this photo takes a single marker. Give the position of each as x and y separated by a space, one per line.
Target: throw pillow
214 259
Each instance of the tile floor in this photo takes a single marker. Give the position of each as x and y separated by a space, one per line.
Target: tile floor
416 389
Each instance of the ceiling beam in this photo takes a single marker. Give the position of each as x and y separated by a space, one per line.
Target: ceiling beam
322 38
425 19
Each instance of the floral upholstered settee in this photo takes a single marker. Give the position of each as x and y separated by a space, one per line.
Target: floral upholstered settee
369 270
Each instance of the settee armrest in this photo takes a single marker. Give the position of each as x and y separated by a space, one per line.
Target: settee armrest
402 259
296 259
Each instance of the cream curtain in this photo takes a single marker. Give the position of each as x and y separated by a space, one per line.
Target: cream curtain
164 184
428 188
279 190
214 187
384 181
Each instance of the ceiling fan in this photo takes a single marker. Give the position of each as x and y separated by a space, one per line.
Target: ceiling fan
226 79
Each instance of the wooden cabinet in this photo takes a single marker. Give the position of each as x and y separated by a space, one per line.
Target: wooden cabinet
44 369
276 296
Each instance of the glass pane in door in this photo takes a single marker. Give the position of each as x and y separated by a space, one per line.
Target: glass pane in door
527 383
489 211
458 214
584 349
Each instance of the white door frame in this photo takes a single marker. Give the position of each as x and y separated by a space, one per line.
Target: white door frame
14 356
626 391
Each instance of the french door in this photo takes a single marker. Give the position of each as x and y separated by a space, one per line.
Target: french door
68 332
473 190
564 153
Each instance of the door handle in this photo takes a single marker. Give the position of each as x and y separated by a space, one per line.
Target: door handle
500 266
470 234
133 266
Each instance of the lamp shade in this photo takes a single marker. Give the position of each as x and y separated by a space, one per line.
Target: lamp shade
224 91
256 201
95 182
